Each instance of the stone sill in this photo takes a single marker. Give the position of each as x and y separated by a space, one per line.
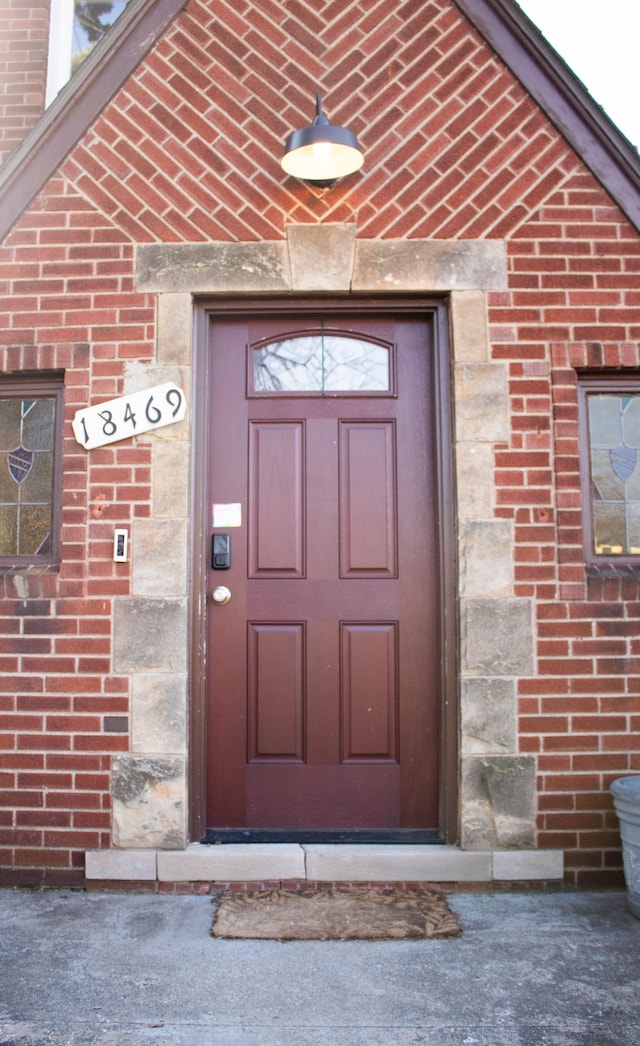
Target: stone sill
239 862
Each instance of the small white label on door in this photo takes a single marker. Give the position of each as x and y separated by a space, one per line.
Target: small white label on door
227 515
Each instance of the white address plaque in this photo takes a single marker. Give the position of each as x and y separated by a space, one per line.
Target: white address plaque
129 415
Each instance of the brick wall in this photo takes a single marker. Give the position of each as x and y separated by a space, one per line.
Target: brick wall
67 289
188 151
573 304
24 38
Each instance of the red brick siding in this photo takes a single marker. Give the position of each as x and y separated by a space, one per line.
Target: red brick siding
573 303
189 151
24 39
68 303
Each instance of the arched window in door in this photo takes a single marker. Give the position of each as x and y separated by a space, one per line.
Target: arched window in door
321 362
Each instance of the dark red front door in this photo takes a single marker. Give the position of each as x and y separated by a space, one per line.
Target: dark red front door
323 666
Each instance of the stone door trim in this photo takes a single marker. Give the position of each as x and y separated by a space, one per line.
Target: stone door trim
327 259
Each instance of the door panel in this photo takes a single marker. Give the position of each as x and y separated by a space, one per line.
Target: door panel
369 691
367 498
323 669
276 692
276 486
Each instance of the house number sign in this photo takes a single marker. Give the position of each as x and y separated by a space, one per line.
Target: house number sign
129 415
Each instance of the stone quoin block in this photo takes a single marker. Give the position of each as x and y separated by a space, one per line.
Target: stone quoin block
497 637
474 466
170 480
159 564
469 326
482 404
486 558
148 802
159 712
499 804
150 634
489 716
174 327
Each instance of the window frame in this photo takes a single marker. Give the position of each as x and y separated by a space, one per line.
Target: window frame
588 384
41 387
61 53
60 47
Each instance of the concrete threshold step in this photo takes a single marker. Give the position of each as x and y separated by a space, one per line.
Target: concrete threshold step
251 862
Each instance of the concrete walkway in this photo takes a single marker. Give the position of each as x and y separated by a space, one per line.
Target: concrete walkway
531 969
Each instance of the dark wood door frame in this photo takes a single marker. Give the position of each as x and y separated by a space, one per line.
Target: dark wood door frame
207 311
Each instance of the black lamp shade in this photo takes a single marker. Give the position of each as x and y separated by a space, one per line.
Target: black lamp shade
322 152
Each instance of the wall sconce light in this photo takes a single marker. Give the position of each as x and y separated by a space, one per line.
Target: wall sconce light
321 153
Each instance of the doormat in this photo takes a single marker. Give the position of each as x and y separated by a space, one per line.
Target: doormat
335 915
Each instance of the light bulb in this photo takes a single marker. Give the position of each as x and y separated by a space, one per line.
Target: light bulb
321 149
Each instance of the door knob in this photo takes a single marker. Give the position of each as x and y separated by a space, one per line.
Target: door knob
221 595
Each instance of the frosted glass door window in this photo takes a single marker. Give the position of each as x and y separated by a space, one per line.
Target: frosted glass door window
321 364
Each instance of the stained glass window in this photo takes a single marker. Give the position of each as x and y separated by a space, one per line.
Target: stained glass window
321 363
614 459
27 475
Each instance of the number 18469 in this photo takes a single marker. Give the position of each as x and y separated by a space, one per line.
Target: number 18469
129 415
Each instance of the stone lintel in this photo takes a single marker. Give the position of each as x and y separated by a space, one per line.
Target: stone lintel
429 265
321 257
213 268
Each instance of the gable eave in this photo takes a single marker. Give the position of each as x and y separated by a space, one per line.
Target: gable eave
79 103
612 159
